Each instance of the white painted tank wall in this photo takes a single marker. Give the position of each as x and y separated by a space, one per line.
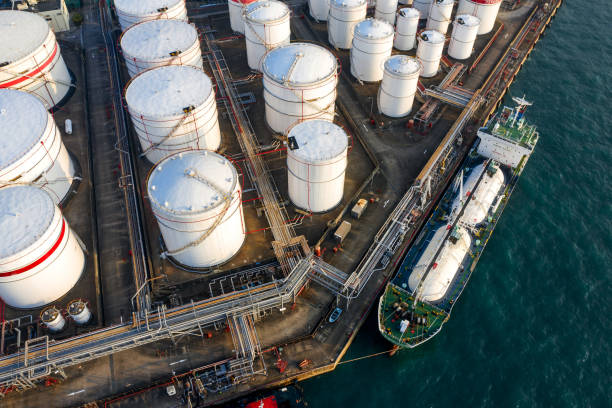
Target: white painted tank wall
156 43
465 30
266 26
79 311
173 108
40 260
299 84
52 318
483 197
386 10
485 10
372 45
319 9
429 52
398 86
423 7
31 148
34 61
438 280
317 168
130 12
406 28
187 193
236 10
440 15
343 16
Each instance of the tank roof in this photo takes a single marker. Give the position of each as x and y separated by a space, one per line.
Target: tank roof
266 10
315 63
25 211
21 33
158 38
140 7
23 120
374 29
409 12
402 64
167 90
468 20
432 36
318 140
348 3
190 182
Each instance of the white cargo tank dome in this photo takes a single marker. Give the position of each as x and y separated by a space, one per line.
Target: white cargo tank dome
465 30
398 86
485 10
31 148
30 57
343 16
444 268
440 15
317 167
372 45
386 10
52 318
406 28
155 43
423 6
299 84
40 258
79 311
266 26
197 200
173 108
130 12
483 197
429 52
236 10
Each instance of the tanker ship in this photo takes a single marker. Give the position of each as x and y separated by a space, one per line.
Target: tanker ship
435 271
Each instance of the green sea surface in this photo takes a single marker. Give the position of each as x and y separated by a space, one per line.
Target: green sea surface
533 327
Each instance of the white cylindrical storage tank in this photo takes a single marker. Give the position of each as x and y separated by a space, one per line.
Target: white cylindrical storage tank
30 58
53 319
173 108
79 311
40 259
319 9
197 200
156 43
483 196
130 12
386 10
266 26
398 86
372 45
429 52
485 10
299 84
236 10
406 28
317 166
423 7
440 15
343 16
31 148
465 30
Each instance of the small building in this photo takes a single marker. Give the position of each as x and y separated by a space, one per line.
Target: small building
54 11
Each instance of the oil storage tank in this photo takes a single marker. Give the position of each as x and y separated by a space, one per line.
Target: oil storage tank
485 10
130 12
429 52
372 45
316 165
319 9
398 86
197 200
386 10
236 10
440 15
30 57
406 27
299 84
31 147
465 30
266 26
40 259
155 43
343 16
423 6
173 108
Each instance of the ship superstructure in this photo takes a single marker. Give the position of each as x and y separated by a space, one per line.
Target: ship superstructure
436 269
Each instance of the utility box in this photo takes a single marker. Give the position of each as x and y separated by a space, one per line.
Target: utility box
342 231
359 208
